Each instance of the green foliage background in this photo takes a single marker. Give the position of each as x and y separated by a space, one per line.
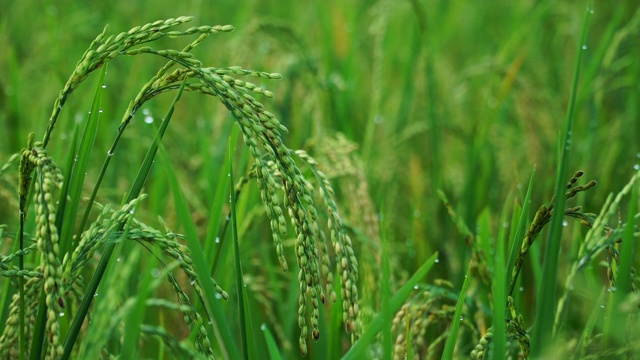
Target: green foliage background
396 99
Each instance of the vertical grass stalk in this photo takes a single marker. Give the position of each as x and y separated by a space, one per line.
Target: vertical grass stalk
546 299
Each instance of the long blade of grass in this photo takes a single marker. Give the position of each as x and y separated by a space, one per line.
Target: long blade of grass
199 263
522 223
79 169
499 290
450 345
248 343
217 207
374 327
68 174
546 306
136 188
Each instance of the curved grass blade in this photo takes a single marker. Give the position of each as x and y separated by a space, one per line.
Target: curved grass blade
274 353
374 327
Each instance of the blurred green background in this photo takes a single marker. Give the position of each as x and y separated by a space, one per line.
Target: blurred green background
396 99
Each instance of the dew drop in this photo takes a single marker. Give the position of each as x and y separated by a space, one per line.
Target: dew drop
109 153
521 288
564 223
263 327
437 261
218 296
602 306
193 282
217 240
584 47
461 318
104 86
100 110
118 259
148 119
95 295
61 314
505 224
378 119
636 167
415 287
155 272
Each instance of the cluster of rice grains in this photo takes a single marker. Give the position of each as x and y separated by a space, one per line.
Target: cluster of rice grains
283 188
47 179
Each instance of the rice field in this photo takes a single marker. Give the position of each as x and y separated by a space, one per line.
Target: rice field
324 180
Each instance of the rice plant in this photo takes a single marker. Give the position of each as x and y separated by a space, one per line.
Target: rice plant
463 185
63 248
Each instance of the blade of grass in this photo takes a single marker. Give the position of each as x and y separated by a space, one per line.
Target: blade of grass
199 263
248 343
385 288
522 223
376 324
274 353
68 174
78 170
450 345
136 188
499 290
546 306
215 235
